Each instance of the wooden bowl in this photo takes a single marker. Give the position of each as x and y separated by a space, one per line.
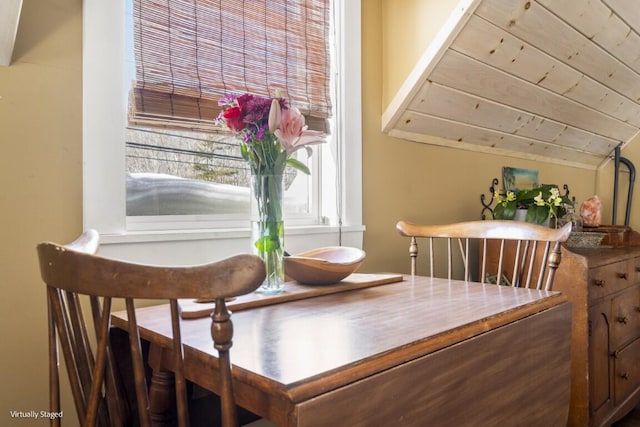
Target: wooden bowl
323 266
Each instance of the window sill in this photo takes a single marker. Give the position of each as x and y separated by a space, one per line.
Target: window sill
214 234
188 247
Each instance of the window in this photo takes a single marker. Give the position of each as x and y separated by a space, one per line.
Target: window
338 169
185 56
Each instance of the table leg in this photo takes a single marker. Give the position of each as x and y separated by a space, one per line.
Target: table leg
162 392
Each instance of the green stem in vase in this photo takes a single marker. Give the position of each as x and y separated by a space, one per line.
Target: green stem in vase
268 229
268 195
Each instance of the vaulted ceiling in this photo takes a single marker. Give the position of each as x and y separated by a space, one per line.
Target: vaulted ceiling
550 80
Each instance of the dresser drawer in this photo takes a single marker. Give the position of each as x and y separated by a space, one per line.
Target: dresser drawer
625 317
626 371
610 278
634 266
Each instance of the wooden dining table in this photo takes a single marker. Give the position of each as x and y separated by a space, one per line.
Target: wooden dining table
383 349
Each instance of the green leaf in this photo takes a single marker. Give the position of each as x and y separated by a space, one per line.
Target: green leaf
264 244
295 163
267 244
509 210
244 151
505 211
537 214
270 239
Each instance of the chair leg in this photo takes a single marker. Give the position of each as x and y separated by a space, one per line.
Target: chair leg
54 374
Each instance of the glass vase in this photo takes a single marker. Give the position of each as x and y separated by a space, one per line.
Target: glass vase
267 228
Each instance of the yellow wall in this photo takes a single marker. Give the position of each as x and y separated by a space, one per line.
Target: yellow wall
41 190
407 29
605 183
41 170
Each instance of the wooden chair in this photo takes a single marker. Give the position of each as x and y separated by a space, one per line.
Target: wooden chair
512 253
73 270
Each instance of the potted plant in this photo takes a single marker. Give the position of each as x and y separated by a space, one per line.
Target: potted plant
541 204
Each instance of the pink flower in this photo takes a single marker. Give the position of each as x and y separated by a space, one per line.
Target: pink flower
275 115
268 130
293 133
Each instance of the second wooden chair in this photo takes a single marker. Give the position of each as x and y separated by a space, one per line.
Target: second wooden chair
502 252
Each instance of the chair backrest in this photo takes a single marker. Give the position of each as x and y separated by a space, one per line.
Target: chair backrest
512 253
73 270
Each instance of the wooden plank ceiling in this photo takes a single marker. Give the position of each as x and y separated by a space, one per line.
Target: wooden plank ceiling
549 80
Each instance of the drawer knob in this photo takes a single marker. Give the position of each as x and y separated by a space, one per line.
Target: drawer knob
623 319
615 354
625 376
622 276
599 282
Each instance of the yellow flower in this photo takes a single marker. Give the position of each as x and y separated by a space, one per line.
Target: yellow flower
539 200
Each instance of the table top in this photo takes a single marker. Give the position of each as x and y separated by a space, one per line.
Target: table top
303 347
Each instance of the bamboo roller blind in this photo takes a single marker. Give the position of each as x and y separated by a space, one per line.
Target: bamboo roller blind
189 53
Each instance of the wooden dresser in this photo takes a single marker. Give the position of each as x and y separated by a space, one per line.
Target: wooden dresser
603 285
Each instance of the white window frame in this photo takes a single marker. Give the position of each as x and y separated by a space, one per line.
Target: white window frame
104 118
